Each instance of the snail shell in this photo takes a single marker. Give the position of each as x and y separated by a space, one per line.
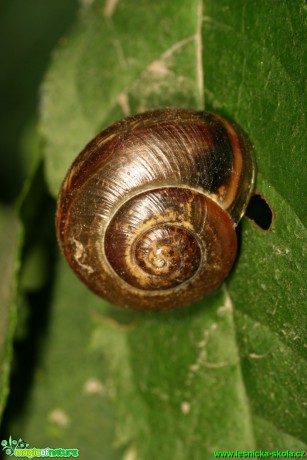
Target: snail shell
146 215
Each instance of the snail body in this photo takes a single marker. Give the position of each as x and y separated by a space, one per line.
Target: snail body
146 215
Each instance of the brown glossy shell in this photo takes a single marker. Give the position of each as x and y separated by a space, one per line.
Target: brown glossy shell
147 212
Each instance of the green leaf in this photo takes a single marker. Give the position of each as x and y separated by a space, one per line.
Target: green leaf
178 375
67 402
86 90
267 290
9 250
228 372
255 72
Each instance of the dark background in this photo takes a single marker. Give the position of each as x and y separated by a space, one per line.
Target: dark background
29 30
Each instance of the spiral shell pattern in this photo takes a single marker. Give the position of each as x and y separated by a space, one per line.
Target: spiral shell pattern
147 212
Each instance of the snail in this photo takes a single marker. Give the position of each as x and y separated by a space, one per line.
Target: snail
147 212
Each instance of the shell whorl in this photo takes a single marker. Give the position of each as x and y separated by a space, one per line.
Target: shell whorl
159 240
146 214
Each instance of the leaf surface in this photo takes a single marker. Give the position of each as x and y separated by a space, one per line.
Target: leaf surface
9 237
228 372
